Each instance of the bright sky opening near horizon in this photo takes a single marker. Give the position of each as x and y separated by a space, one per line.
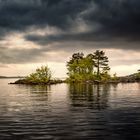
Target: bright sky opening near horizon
39 32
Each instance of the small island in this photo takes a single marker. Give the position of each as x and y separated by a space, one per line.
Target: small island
42 76
92 68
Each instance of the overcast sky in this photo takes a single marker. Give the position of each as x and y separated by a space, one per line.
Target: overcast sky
36 32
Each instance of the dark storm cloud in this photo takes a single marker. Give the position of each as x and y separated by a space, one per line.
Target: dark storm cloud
116 17
16 56
101 40
19 15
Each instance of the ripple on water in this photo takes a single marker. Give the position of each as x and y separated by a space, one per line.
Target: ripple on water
70 112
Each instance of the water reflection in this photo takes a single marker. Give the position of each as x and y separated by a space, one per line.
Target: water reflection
91 96
75 111
40 89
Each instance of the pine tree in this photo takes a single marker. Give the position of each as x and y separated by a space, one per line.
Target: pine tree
101 62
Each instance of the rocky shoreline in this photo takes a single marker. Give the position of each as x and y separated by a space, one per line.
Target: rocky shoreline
26 82
51 82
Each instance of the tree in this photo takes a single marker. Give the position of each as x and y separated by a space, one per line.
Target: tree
42 75
90 63
80 67
73 64
101 62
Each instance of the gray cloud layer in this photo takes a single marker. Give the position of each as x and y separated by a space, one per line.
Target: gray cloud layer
117 17
117 21
19 15
106 23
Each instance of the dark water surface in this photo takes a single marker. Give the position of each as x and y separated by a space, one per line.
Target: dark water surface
69 112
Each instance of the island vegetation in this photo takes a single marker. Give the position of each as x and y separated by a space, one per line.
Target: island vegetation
90 68
131 78
41 76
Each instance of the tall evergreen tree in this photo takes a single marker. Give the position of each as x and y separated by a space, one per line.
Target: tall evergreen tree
101 62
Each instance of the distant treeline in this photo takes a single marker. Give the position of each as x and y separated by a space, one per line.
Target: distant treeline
12 76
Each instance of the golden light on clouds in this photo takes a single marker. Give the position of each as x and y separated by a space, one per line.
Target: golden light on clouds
17 41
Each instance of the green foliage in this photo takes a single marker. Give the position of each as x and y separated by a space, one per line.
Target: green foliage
114 77
105 77
137 75
42 75
81 68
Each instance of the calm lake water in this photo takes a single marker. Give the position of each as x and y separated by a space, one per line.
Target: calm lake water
69 112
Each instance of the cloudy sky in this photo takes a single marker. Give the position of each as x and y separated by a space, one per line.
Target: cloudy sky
36 32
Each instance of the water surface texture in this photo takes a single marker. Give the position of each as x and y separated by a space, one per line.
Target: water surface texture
69 112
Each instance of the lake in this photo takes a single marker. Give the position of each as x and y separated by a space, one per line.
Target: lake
69 112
